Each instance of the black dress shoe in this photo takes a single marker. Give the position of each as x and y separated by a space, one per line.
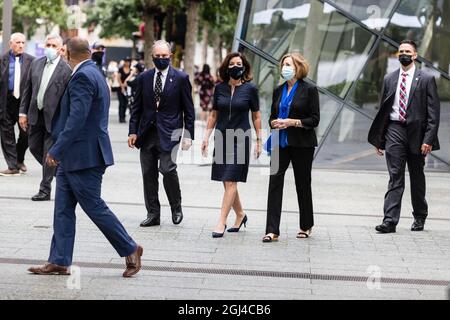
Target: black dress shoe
149 222
418 224
40 196
385 228
177 217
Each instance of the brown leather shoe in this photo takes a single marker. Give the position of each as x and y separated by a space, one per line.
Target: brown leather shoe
10 173
22 167
50 269
133 262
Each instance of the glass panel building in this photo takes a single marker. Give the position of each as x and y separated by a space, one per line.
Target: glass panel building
350 45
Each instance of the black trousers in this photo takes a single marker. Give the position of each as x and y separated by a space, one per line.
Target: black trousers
397 156
14 152
153 161
40 141
123 103
302 159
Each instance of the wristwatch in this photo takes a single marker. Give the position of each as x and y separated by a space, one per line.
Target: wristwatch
298 123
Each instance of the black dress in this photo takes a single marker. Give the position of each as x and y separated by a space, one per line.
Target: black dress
232 137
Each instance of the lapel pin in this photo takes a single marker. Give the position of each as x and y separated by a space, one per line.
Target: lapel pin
171 79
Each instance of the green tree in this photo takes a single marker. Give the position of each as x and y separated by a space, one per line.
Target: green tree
28 15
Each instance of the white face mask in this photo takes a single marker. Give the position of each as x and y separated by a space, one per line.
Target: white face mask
50 53
288 72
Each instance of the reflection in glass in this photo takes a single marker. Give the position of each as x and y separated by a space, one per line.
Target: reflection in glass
367 90
373 13
443 85
328 110
266 77
335 47
346 145
427 22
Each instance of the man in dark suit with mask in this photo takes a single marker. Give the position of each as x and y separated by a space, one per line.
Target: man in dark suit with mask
14 67
44 87
162 115
406 127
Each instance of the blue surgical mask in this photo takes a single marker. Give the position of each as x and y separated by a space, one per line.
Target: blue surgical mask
288 73
50 53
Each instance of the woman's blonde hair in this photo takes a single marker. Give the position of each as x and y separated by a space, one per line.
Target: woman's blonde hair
300 63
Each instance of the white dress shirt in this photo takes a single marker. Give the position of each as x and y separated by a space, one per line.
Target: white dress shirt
49 69
395 113
163 77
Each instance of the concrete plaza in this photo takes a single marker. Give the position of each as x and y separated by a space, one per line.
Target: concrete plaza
344 259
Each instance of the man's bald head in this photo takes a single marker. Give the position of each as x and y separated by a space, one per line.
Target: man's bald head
78 49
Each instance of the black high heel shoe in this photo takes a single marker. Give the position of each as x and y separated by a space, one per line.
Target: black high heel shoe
218 234
243 222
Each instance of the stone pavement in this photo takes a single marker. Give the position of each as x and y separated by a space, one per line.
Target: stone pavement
344 259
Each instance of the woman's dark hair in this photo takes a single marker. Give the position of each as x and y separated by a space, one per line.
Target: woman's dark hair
206 69
223 70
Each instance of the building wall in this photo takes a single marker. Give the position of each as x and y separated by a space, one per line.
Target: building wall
350 45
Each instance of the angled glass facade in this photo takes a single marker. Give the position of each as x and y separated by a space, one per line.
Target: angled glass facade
350 45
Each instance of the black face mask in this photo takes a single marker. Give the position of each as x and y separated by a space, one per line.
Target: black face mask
161 63
236 72
405 59
97 57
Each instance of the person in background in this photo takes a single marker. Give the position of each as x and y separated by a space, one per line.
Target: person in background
15 66
98 54
122 75
295 113
131 82
205 81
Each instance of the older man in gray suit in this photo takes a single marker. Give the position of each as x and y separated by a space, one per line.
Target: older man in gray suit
46 82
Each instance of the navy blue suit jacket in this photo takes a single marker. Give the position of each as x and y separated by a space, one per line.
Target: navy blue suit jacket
176 109
80 127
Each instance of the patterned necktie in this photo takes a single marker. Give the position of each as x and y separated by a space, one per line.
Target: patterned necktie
158 88
403 101
16 92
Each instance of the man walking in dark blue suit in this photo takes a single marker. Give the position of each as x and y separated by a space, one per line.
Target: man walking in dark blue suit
82 151
162 115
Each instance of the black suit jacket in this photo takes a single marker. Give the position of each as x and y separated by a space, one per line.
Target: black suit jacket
53 93
176 109
305 106
422 112
4 78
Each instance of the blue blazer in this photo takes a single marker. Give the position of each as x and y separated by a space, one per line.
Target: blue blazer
80 127
176 109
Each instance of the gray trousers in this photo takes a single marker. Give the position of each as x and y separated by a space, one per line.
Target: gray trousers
40 141
397 156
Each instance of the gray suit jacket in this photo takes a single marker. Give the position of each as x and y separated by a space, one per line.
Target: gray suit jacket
422 113
4 77
53 93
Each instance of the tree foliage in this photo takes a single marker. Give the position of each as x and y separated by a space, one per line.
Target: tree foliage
28 15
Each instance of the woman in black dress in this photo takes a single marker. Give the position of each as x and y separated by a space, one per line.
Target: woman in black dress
294 116
233 99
